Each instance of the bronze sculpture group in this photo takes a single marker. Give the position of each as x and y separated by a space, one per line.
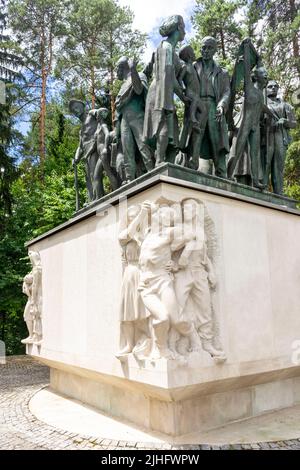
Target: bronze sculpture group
247 145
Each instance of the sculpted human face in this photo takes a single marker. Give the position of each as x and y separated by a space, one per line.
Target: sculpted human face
189 210
132 213
208 50
272 89
262 78
121 70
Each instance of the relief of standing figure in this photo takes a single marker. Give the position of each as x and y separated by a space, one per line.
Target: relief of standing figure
133 315
32 287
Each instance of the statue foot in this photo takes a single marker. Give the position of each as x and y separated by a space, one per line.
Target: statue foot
162 353
259 185
192 165
28 340
124 352
159 163
215 353
125 182
220 358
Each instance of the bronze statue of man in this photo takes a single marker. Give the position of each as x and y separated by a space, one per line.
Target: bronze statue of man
87 148
277 137
130 106
211 140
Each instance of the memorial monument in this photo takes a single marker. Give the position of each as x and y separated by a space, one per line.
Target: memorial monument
173 302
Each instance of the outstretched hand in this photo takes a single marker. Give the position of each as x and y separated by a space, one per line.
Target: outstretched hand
219 113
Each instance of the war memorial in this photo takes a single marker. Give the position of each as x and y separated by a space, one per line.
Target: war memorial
172 303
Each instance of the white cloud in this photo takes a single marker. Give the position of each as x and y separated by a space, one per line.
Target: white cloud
149 13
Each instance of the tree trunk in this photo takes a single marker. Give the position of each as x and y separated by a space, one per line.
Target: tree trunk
112 97
93 87
223 44
42 120
293 12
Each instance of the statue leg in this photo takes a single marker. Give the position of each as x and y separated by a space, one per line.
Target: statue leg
129 148
160 322
126 338
97 176
269 159
237 152
162 141
254 141
214 129
277 169
201 296
88 181
109 171
137 130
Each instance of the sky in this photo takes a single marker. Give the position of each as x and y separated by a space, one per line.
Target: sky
149 14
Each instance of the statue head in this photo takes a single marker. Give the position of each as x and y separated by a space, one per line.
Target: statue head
187 53
190 209
209 47
35 258
162 217
171 25
122 68
260 76
132 213
101 114
272 88
77 107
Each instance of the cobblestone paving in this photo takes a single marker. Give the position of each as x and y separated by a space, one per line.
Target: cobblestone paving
21 378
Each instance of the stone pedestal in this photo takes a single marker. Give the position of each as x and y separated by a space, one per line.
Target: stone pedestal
257 305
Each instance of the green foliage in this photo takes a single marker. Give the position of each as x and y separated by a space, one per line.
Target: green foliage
292 168
99 32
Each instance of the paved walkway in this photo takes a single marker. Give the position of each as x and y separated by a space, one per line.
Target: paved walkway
22 377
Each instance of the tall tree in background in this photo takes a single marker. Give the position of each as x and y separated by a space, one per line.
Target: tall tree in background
9 62
99 32
279 28
37 25
120 40
218 18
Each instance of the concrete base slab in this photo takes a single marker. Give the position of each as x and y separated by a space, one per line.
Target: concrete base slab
74 416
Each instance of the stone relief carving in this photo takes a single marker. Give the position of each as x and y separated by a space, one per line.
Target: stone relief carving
32 287
169 279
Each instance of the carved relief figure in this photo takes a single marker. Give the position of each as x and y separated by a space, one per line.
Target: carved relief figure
133 314
157 280
196 278
168 281
277 139
130 106
32 287
161 125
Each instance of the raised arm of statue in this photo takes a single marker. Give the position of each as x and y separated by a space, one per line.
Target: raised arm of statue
135 78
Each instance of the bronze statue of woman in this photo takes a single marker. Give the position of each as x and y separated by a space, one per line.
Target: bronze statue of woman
160 125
